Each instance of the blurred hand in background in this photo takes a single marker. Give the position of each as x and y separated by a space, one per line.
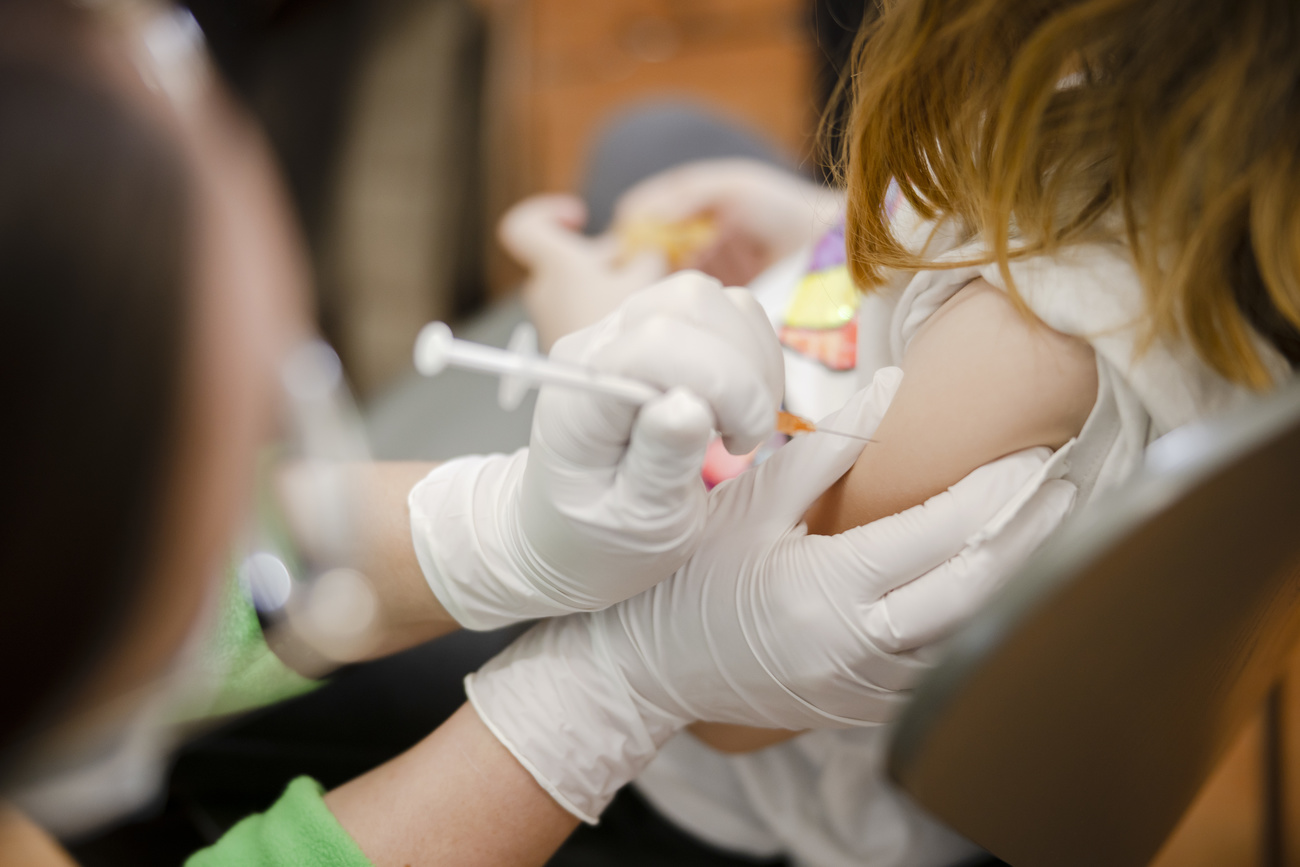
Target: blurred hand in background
574 280
761 213
729 218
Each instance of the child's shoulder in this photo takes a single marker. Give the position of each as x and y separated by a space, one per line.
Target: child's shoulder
982 379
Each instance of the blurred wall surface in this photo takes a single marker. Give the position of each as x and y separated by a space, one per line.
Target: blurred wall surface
372 107
403 237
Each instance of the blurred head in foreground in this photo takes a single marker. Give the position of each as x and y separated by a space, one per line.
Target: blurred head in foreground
150 279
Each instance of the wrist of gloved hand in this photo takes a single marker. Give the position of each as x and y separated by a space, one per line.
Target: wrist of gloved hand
464 530
557 700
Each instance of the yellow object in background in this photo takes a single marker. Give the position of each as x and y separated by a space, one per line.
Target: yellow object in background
823 299
679 241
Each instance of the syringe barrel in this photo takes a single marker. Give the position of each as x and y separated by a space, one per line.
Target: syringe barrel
437 349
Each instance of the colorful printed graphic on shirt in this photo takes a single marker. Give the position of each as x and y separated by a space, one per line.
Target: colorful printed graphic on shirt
821 323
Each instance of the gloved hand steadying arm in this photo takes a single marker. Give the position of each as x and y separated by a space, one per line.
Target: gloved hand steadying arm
607 499
766 625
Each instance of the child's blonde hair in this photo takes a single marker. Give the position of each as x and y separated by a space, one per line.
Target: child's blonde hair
1036 119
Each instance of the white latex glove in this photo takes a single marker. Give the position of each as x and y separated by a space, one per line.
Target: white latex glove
573 280
766 625
762 212
607 499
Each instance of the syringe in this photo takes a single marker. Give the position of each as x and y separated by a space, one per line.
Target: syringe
436 349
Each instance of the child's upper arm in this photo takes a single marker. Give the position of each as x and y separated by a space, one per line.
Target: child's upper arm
981 380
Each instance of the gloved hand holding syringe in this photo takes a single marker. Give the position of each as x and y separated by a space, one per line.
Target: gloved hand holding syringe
607 500
520 369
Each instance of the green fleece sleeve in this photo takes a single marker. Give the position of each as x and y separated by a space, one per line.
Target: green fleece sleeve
298 831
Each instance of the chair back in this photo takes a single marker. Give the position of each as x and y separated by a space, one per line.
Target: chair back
1075 718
